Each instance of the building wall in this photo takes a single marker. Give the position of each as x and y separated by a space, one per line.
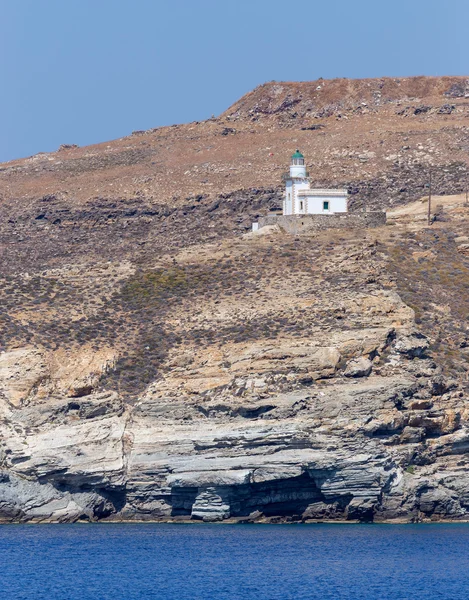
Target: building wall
292 202
314 205
297 224
304 204
299 184
288 207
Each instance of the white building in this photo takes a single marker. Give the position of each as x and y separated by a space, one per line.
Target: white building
300 199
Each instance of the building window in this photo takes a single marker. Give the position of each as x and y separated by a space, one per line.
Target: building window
325 205
301 205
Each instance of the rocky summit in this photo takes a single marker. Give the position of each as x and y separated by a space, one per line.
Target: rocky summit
160 362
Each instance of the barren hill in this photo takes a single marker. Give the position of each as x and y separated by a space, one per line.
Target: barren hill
157 363
374 135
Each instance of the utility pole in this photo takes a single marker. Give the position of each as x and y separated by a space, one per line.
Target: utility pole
467 191
430 198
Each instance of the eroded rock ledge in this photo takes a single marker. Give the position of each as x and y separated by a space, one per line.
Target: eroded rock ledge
300 432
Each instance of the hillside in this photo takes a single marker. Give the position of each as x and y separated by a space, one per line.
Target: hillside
157 363
373 135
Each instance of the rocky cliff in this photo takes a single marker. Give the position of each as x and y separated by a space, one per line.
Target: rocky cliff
158 363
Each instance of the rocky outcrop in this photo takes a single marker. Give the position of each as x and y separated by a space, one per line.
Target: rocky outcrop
294 434
359 367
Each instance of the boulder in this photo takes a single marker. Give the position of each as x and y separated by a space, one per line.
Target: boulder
209 505
438 501
440 385
361 509
412 435
412 346
358 367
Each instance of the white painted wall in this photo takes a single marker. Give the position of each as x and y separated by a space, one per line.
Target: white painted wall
298 185
298 171
311 204
288 205
315 204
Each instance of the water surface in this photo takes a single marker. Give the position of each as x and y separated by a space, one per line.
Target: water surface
238 562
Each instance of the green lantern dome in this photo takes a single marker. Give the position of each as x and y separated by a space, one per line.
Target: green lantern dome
297 155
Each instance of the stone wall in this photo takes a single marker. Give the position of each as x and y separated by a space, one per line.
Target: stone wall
303 223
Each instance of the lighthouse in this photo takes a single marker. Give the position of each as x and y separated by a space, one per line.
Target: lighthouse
307 209
300 199
295 181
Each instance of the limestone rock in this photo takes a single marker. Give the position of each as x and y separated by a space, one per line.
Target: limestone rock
359 367
412 346
209 505
361 509
412 435
21 371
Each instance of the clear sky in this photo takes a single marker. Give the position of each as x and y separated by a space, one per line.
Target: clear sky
85 71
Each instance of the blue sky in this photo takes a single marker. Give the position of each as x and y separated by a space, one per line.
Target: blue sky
85 71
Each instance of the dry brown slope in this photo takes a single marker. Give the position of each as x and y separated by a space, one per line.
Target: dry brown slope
373 135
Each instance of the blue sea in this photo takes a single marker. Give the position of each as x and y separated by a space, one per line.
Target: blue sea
236 562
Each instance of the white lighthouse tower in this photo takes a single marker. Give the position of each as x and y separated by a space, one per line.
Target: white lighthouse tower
296 181
300 199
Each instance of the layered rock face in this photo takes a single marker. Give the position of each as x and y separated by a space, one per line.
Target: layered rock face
273 443
157 363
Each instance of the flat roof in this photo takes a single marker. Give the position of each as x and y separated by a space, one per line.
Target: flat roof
322 192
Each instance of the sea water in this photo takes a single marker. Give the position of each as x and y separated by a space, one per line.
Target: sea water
236 562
